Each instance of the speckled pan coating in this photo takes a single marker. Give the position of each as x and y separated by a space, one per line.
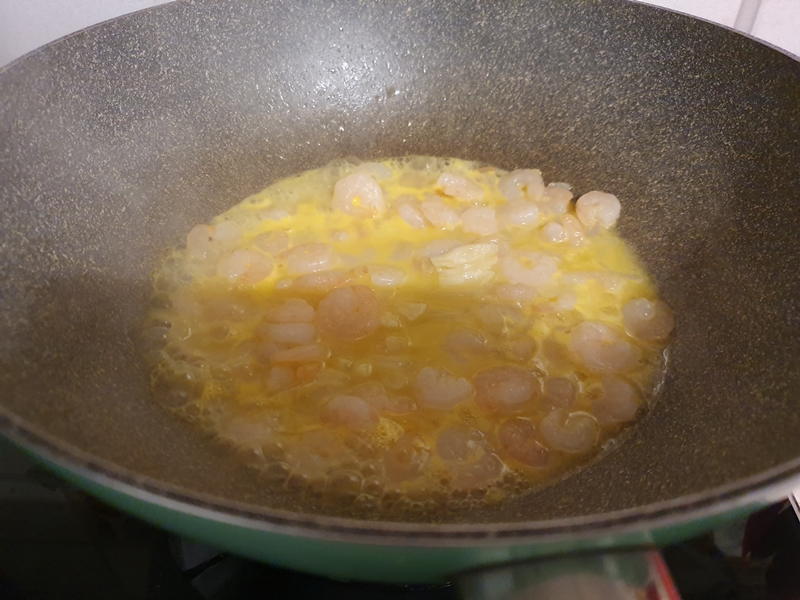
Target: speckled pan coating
115 141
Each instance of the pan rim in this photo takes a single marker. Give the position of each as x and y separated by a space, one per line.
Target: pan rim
754 491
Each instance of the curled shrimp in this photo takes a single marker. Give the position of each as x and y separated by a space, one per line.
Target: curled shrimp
597 208
505 389
349 313
437 388
518 438
350 411
480 220
602 348
359 195
648 320
522 184
459 186
576 432
310 258
619 402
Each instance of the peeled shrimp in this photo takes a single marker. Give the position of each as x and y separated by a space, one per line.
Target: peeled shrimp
300 354
619 402
459 186
245 266
597 208
350 411
556 199
573 230
602 348
553 233
529 268
480 220
409 210
386 276
292 334
349 313
522 184
310 258
518 438
505 389
648 320
323 281
519 213
437 388
273 242
294 310
359 195
440 214
576 432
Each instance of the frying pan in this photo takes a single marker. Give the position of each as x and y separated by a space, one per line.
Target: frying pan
117 139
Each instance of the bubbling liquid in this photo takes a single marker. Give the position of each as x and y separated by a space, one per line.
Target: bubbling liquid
409 336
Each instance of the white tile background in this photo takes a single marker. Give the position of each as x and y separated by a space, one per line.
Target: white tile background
28 24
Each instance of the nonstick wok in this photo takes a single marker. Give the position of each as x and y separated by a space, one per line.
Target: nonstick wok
115 141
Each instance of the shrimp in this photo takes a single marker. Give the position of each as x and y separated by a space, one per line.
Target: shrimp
349 411
349 313
323 281
573 230
480 220
560 392
505 389
359 195
519 213
440 214
294 310
291 334
648 320
437 388
597 208
529 268
310 258
576 432
556 199
553 233
245 266
602 348
619 402
518 438
459 186
300 354
409 210
522 184
272 243
407 458
386 276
